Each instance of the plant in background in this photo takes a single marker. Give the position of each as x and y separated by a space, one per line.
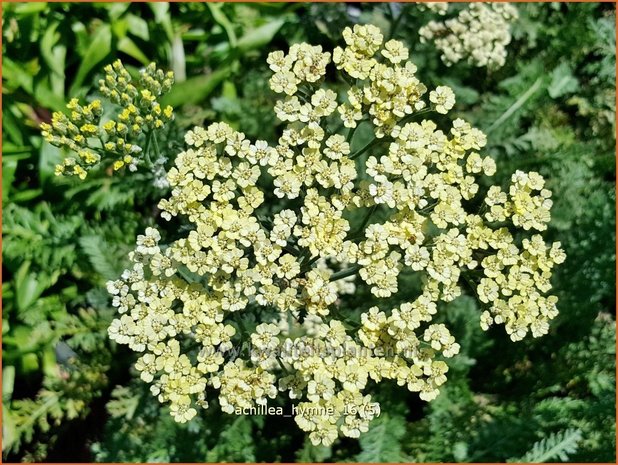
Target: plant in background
478 34
184 304
437 7
123 140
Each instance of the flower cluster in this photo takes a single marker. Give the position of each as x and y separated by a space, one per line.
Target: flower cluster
83 131
437 7
187 305
479 34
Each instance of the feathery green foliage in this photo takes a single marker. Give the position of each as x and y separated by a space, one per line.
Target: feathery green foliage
558 445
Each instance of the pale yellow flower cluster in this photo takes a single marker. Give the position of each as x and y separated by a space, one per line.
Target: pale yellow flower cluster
189 304
390 92
437 7
479 34
84 133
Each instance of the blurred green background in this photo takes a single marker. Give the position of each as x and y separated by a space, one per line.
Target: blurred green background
69 394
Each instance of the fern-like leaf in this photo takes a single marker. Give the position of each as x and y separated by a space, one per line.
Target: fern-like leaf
559 445
382 442
101 256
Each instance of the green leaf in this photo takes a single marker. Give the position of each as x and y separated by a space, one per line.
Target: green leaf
27 287
8 176
8 382
49 97
382 442
30 8
216 10
196 89
311 453
162 17
53 55
562 82
138 27
29 363
116 10
124 403
517 105
460 451
16 75
126 45
178 59
9 431
260 36
49 157
557 445
236 443
99 48
100 258
48 359
26 195
11 129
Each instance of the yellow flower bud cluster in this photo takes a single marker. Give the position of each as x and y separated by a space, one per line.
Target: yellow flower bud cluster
188 304
73 132
479 34
83 132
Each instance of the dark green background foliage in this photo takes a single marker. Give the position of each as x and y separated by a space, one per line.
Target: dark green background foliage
69 394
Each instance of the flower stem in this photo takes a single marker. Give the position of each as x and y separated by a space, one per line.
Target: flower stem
345 273
396 23
147 149
373 142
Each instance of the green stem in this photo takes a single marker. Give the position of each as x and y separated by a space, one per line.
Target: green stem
345 273
373 142
351 133
147 148
291 250
468 281
396 23
346 78
517 105
307 266
410 117
368 217
156 146
365 220
428 208
281 364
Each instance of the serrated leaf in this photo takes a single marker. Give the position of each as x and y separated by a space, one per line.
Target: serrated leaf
311 453
98 253
557 445
10 438
382 442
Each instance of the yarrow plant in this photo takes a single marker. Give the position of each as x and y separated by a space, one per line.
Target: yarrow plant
87 133
478 34
184 304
